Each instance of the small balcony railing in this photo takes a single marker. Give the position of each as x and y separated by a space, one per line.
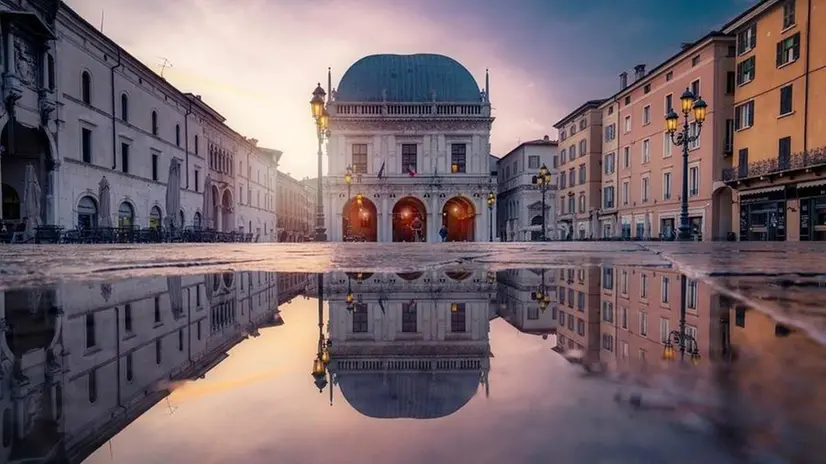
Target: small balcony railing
795 162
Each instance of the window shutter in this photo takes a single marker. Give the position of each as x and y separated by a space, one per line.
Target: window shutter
737 120
751 113
779 53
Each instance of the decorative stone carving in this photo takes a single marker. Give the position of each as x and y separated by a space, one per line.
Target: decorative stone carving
412 125
25 61
47 107
105 291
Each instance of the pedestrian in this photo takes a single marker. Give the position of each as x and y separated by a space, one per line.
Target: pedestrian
443 233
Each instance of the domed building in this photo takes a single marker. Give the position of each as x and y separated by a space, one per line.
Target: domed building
414 133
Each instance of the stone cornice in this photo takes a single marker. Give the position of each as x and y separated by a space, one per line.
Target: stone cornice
404 125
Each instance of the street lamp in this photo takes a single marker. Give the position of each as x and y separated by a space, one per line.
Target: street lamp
349 298
541 295
543 181
680 338
688 103
322 358
348 179
491 203
322 120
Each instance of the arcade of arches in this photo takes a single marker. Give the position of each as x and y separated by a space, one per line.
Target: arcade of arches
409 220
459 220
23 147
360 220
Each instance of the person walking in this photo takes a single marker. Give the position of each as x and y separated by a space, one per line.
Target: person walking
443 233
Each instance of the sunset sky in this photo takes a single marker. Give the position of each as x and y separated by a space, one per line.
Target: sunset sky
257 61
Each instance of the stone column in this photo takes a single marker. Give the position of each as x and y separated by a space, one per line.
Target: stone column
53 197
435 221
385 221
1 177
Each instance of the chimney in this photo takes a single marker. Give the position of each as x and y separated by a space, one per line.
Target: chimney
546 138
623 80
685 45
639 72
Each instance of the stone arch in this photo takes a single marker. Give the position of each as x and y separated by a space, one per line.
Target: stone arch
409 220
459 276
155 215
87 85
359 220
124 106
722 217
227 209
134 209
84 217
409 276
459 218
154 122
30 145
198 219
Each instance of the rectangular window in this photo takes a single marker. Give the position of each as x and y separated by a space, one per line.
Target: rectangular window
127 318
665 291
625 192
788 14
731 82
609 163
157 310
197 180
533 162
359 162
693 181
664 330
695 88
571 204
628 124
458 157
745 71
691 300
624 283
124 157
646 88
360 318
646 187
583 147
607 278
744 115
747 39
572 177
786 100
607 311
608 196
626 157
582 174
788 50
572 152
667 143
646 151
644 286
409 158
646 115
694 134
743 162
784 153
410 318
666 186
457 318
154 167
644 324
86 145
90 331
624 317
695 61
669 103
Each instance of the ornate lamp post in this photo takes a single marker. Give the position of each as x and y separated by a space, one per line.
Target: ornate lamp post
323 356
543 181
491 203
680 337
688 103
348 179
541 296
322 119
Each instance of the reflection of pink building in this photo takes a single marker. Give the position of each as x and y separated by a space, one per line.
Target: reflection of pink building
577 311
641 306
648 182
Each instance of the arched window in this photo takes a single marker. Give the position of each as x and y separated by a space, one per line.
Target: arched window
124 107
196 220
86 87
126 215
87 213
155 217
154 122
11 203
178 135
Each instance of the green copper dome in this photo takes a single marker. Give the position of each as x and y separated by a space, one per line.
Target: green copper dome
409 79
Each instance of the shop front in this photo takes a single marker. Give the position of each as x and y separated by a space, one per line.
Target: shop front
763 214
812 197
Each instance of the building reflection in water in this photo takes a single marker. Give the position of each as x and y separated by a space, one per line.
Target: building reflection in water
527 300
79 362
625 316
409 345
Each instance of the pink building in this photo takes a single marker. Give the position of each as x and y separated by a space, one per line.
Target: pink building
647 181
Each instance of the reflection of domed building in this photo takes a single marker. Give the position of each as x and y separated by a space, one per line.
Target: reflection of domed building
412 345
79 362
516 305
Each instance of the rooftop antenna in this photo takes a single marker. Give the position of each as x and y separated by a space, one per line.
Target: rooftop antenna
166 64
102 12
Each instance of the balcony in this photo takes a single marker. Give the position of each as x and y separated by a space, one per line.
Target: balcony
809 160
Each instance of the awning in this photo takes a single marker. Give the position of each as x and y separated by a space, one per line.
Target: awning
776 188
30 22
812 183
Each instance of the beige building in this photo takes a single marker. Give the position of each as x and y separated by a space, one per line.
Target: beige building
580 180
578 311
649 166
608 219
294 210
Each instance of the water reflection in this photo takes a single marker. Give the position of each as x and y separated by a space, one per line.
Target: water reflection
410 345
80 362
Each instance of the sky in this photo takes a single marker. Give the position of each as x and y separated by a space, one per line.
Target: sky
258 61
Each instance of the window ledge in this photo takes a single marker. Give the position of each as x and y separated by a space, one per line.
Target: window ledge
788 63
788 28
785 115
743 128
745 83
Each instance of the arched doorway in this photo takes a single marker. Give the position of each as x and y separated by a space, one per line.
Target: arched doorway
359 220
87 213
536 221
214 216
226 209
126 215
409 220
196 220
459 218
25 146
722 220
155 216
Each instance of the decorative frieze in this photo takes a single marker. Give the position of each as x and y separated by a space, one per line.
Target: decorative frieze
410 125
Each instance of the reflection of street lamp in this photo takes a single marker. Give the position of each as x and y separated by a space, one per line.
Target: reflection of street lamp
541 296
688 102
348 179
680 337
491 203
543 181
359 200
323 356
348 298
322 120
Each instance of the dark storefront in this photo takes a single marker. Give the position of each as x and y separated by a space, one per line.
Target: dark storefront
812 211
763 215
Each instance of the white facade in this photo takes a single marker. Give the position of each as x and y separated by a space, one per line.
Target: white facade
516 305
410 338
102 354
98 112
520 200
431 147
